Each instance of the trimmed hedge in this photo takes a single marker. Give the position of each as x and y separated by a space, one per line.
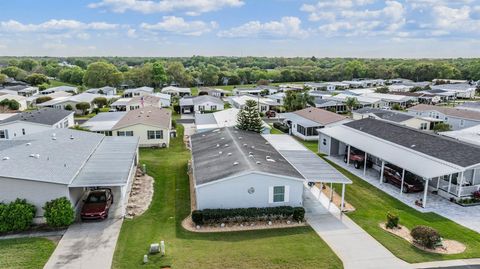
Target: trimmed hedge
16 216
280 126
200 217
392 220
426 236
59 212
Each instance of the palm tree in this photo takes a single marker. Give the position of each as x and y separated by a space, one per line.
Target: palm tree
351 103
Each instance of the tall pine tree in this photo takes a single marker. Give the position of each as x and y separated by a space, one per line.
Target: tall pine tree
249 118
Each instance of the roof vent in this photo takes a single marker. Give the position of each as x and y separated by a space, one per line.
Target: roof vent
71 137
245 145
253 147
266 143
36 156
258 162
412 146
222 138
226 145
218 145
269 159
6 158
240 138
229 154
220 153
235 163
28 144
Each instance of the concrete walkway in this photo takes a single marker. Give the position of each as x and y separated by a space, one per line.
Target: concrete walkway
355 247
467 264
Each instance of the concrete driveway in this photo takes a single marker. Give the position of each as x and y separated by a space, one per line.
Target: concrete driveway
89 244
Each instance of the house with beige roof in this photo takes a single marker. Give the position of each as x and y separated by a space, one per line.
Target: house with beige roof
152 125
304 123
456 118
158 100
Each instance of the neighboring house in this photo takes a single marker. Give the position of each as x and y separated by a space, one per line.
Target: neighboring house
359 92
304 123
444 95
60 89
129 93
363 101
72 101
126 104
200 104
258 90
219 93
277 97
419 97
326 86
32 99
264 104
20 99
320 94
473 106
330 105
22 90
229 175
395 117
225 118
456 118
58 163
151 125
446 166
107 90
177 91
460 90
469 135
165 99
26 123
393 99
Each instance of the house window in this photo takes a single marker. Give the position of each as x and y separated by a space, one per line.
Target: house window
263 108
423 126
65 124
278 194
155 134
213 108
300 129
124 133
3 134
201 108
324 142
462 122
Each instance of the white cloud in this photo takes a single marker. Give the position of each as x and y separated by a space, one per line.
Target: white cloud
357 17
287 27
54 25
178 25
191 7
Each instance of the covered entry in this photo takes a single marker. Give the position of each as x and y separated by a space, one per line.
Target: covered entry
310 165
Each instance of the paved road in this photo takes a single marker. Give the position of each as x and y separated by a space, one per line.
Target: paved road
355 247
88 244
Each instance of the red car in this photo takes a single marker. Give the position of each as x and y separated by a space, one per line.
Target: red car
97 204
357 157
411 183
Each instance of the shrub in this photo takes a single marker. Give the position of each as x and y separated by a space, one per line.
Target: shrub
197 217
247 214
298 213
69 107
392 220
425 236
43 99
16 216
59 212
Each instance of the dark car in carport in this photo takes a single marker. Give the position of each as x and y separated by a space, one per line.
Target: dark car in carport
411 182
97 204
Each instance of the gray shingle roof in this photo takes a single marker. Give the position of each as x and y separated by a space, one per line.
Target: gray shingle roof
385 114
215 152
443 148
47 116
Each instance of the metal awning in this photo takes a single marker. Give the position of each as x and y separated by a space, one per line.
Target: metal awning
310 165
110 164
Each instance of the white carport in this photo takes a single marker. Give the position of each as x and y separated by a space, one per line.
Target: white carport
310 165
423 165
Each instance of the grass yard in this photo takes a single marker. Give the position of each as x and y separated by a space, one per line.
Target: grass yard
372 206
281 248
56 83
25 253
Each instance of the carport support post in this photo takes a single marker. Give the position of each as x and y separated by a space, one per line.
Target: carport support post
342 205
403 179
348 155
460 186
381 171
424 203
365 164
449 183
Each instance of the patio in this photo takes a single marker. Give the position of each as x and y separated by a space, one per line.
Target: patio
466 216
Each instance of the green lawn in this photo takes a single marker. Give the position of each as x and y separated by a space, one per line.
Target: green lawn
56 83
372 206
281 248
25 253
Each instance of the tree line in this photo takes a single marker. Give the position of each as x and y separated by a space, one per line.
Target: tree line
211 71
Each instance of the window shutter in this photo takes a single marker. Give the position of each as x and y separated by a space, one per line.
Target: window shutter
287 194
270 195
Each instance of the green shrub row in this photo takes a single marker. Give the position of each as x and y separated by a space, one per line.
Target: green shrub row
200 217
59 212
16 216
280 126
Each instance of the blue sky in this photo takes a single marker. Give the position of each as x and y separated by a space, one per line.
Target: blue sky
322 28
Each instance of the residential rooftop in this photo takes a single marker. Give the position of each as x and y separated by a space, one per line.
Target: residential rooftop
452 112
226 152
46 116
320 116
389 115
450 150
153 116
